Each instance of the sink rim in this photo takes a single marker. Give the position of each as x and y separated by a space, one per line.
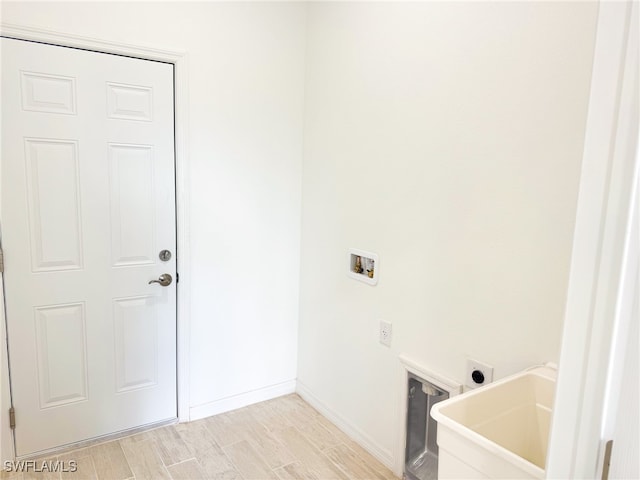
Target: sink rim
547 372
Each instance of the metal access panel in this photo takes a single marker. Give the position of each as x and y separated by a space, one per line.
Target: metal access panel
421 451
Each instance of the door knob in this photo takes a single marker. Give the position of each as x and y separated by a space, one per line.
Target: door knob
164 280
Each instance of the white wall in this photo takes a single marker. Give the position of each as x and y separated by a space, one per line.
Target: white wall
245 143
447 138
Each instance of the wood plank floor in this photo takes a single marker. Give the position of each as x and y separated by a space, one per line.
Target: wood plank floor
281 439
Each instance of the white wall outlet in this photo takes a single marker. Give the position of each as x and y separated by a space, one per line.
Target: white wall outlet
478 373
385 333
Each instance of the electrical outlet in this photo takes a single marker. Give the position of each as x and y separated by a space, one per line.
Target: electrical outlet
478 373
385 333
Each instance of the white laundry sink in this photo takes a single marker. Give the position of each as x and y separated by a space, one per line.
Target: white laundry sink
497 431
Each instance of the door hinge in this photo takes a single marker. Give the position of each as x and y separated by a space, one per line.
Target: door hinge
1 261
607 459
12 418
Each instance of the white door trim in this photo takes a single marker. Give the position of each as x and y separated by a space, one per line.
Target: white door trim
598 255
180 60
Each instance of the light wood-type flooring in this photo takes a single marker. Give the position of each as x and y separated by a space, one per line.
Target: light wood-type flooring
283 438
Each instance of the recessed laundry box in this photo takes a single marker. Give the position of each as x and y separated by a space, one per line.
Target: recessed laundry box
497 431
421 451
423 389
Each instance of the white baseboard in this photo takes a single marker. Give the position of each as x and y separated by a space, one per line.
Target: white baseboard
242 400
364 440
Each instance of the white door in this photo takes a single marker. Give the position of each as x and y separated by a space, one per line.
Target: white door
88 202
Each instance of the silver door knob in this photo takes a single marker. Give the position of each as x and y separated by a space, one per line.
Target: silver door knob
164 280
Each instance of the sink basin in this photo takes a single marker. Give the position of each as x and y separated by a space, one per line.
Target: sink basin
497 431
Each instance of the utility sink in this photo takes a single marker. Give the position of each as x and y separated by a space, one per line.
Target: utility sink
497 431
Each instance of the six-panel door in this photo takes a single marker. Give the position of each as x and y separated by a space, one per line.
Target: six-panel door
88 202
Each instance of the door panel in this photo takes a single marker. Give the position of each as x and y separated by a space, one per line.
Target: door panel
132 204
54 204
61 351
135 321
88 202
129 102
48 93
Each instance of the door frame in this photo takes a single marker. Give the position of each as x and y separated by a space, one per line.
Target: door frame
180 61
602 255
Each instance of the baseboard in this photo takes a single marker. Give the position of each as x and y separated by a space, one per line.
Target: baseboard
364 440
242 400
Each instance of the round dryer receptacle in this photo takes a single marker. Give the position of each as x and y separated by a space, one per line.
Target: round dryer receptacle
478 377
